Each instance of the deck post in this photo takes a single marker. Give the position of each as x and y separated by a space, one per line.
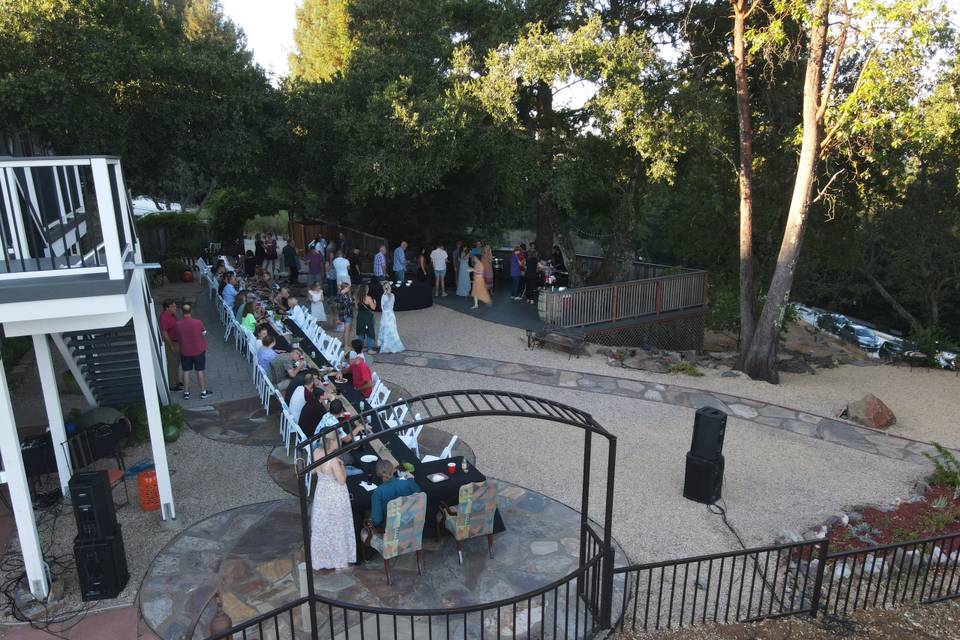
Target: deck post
51 401
16 478
148 378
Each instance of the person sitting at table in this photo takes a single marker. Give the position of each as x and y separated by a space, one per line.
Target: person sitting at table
249 316
285 367
300 394
291 305
262 333
238 304
332 417
313 411
249 264
267 354
359 375
390 487
280 300
297 381
357 345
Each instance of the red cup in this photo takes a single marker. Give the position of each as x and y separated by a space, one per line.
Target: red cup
451 468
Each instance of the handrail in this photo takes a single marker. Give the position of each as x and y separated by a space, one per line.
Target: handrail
597 304
63 215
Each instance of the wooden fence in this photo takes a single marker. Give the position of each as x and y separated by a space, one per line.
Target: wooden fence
602 303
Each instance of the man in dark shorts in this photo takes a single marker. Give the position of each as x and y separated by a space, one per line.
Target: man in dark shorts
193 351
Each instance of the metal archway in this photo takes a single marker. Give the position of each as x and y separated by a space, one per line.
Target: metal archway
472 403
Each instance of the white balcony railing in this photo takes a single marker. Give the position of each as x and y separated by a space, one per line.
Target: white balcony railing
64 215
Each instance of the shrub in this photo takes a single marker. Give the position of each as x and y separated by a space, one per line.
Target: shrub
724 311
946 468
173 269
12 351
686 368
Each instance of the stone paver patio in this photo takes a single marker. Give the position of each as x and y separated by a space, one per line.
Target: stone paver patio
251 554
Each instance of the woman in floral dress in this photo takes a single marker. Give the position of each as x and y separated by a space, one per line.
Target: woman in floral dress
332 541
345 311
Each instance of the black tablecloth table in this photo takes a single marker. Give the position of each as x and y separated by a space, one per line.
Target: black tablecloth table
416 295
447 491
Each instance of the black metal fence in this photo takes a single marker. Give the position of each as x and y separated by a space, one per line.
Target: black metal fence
786 580
289 622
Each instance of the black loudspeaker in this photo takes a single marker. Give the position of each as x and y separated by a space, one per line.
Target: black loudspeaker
93 505
703 480
101 566
709 425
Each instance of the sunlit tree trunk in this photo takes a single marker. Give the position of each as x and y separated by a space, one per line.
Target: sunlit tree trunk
760 362
745 177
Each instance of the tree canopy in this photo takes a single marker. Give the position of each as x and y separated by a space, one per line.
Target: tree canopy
797 149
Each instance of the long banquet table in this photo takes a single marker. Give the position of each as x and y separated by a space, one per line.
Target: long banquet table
446 491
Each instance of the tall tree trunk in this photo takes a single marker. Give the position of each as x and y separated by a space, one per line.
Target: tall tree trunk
546 211
760 362
745 179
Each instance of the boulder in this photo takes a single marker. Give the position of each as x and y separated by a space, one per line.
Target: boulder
870 411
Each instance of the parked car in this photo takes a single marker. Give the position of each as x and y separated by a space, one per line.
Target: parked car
860 336
832 322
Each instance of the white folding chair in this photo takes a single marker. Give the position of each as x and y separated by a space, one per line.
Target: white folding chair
446 453
379 395
410 437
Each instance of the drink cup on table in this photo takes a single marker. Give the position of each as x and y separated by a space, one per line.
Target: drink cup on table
451 468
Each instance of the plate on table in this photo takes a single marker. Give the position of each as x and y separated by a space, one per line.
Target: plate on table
369 458
437 477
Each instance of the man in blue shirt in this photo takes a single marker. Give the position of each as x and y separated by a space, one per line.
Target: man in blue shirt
380 263
391 487
400 262
230 291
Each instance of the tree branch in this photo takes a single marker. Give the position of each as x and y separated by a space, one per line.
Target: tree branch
823 191
828 85
886 295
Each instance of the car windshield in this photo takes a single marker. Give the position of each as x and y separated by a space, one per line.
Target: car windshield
863 333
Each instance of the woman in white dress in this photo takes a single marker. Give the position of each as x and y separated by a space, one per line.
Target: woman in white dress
389 338
333 543
316 302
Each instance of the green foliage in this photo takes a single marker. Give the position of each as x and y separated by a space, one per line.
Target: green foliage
173 269
946 468
322 40
724 311
685 368
930 342
12 351
231 208
137 415
168 86
182 232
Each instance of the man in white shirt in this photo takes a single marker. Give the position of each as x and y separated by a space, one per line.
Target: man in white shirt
341 267
299 397
439 259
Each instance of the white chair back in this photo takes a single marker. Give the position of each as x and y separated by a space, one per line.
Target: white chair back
379 395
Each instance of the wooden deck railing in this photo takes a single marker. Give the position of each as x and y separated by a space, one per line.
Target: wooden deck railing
597 304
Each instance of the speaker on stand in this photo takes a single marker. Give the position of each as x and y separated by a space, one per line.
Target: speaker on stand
98 547
703 480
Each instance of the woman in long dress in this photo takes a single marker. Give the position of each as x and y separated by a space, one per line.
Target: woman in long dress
488 267
389 337
316 302
463 273
332 541
479 290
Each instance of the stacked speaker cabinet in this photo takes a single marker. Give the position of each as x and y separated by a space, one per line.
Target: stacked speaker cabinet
703 480
98 547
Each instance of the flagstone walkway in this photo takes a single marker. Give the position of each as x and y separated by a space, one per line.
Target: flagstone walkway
803 423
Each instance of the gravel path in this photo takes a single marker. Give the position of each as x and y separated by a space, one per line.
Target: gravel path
774 480
922 400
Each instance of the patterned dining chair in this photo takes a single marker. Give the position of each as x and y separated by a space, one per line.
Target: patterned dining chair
472 517
402 530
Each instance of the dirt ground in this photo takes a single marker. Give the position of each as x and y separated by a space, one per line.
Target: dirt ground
920 622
